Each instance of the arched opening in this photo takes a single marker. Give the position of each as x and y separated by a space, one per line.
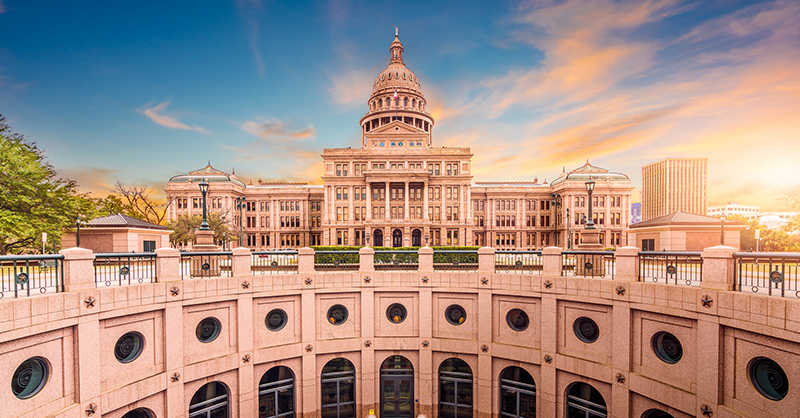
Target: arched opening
455 389
377 238
405 101
276 393
139 413
210 401
584 401
397 388
416 238
397 238
656 413
517 393
338 389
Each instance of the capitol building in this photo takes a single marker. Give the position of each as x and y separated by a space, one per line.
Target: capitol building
399 190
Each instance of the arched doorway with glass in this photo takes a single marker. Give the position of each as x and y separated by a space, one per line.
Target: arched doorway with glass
397 238
517 393
416 238
455 389
377 238
338 383
210 401
584 401
139 413
276 393
397 388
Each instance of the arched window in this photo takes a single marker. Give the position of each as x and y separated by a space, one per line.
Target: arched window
381 102
517 393
584 401
455 389
413 102
210 401
276 393
139 413
338 389
405 101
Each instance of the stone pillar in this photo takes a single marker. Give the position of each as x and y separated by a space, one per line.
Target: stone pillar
386 203
486 260
462 194
426 260
551 261
425 201
78 269
305 260
369 202
240 262
168 264
718 268
351 215
627 264
405 203
366 260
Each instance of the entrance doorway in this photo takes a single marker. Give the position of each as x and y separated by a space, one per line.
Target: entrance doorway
377 238
397 238
397 388
416 238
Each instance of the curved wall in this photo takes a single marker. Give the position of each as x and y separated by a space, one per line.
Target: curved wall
76 332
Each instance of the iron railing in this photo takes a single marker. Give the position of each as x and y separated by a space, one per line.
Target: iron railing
601 264
205 264
273 262
20 274
455 260
767 273
396 260
336 260
518 262
121 269
671 267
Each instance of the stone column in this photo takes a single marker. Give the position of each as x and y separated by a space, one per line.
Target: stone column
425 260
366 260
240 261
305 260
386 202
718 268
325 204
551 261
425 201
351 215
168 264
627 264
78 269
462 194
486 260
405 203
369 202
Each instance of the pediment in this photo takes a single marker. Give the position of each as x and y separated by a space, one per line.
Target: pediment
401 128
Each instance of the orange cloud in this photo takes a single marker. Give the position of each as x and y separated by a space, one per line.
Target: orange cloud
156 114
98 182
273 129
352 87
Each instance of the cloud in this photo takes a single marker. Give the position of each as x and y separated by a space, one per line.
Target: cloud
96 181
2 7
249 10
352 87
156 114
273 130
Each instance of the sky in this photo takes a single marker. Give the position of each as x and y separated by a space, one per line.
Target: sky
140 91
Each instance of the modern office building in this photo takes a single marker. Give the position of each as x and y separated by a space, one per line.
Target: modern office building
674 185
398 189
734 208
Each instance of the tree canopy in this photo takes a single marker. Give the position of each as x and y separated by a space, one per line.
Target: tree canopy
184 227
33 199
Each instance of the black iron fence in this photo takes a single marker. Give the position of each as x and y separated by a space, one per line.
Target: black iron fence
273 262
767 273
671 267
518 262
601 264
336 260
456 260
205 264
118 269
396 260
21 276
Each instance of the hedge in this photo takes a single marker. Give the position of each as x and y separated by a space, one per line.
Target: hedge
400 257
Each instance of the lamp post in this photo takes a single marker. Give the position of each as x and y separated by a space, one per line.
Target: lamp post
722 231
78 234
224 233
590 219
569 234
557 204
240 202
204 191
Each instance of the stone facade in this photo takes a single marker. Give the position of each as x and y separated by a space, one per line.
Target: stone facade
674 184
397 189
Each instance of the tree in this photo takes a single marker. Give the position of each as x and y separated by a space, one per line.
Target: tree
138 202
33 199
185 226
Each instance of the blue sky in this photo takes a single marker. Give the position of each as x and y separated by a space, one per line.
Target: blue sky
141 91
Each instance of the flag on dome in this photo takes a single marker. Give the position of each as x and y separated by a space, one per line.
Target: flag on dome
395 93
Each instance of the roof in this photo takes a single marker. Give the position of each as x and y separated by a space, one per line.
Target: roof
682 218
123 221
587 171
207 173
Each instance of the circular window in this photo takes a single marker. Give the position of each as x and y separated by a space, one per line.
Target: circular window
517 319
586 329
396 313
667 347
128 347
30 377
399 144
276 320
455 314
208 330
768 378
337 314
410 144
381 143
394 144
